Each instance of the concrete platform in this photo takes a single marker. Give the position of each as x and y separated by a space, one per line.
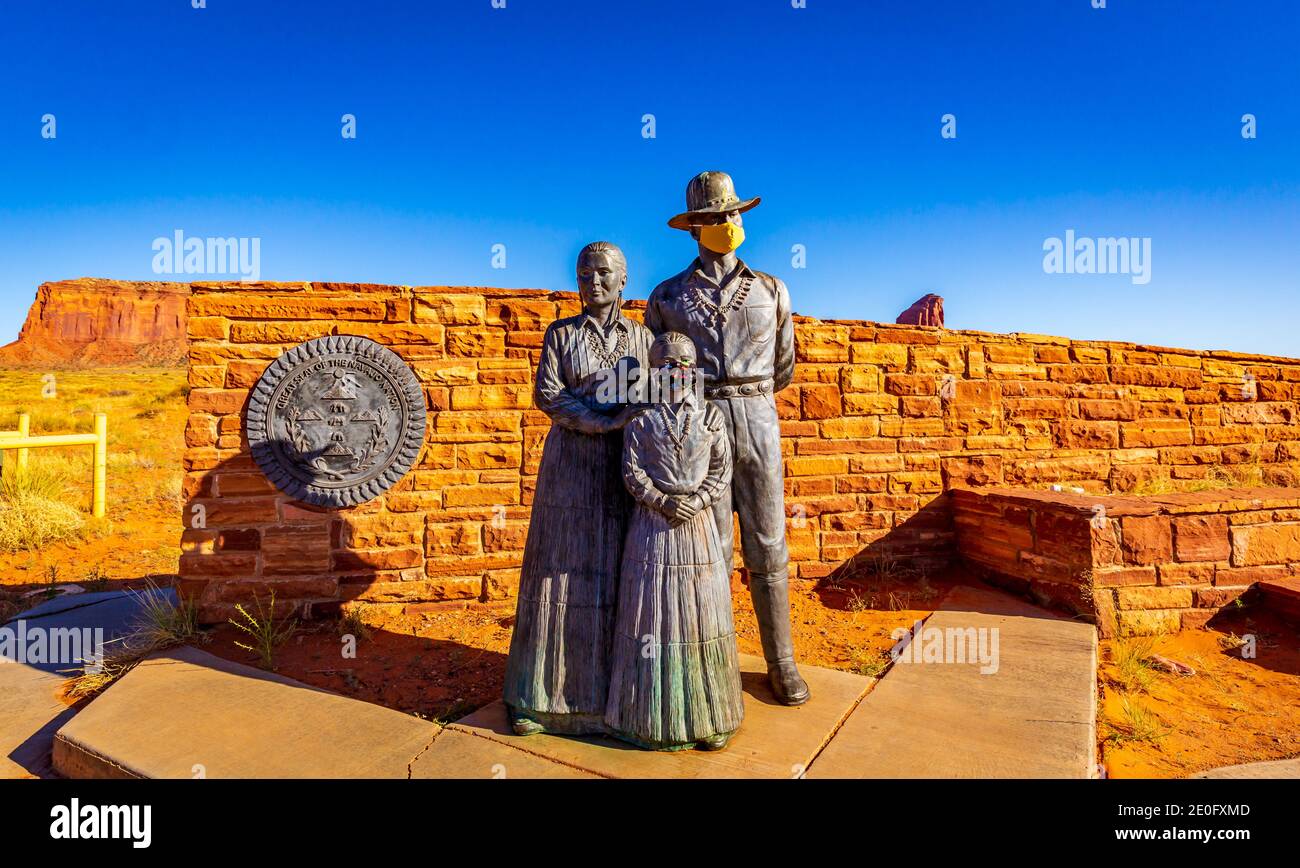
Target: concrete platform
1288 769
1034 718
775 741
185 710
30 713
460 755
184 713
30 710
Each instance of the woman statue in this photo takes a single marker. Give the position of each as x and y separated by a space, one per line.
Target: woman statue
557 675
675 677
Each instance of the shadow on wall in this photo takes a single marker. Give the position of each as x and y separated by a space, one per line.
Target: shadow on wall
924 543
245 540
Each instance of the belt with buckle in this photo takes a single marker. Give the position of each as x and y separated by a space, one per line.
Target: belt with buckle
734 390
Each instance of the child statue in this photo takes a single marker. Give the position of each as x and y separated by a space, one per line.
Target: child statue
675 676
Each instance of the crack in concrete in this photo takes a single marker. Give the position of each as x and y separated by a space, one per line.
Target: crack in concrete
410 766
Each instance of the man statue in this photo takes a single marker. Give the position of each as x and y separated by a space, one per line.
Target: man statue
740 322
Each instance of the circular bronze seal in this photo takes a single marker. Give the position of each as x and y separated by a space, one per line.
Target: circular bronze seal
336 421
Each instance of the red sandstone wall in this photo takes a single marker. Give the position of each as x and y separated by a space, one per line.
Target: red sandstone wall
1137 565
881 420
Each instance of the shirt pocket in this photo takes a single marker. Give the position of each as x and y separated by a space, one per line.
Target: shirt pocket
761 322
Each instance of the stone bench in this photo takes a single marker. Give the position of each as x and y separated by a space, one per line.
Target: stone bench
1136 565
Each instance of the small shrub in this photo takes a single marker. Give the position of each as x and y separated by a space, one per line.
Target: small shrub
899 601
1136 724
39 479
871 663
264 632
859 603
1133 664
160 624
96 579
30 521
353 621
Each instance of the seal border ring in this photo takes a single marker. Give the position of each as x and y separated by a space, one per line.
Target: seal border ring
404 457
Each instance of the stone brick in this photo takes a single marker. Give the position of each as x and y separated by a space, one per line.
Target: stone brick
514 397
820 402
861 378
279 332
1218 597
295 550
1187 574
450 309
1153 598
480 495
244 374
1121 577
911 384
487 456
217 401
888 356
1254 545
1109 410
1152 375
380 530
238 305
822 465
1201 538
1155 432
200 431
1088 435
822 343
459 538
475 343
1148 623
861 405
972 470
360 560
1146 539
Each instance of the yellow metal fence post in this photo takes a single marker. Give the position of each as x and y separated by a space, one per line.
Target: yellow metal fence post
24 429
101 463
21 441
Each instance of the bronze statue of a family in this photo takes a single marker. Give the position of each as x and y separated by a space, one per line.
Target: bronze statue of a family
624 620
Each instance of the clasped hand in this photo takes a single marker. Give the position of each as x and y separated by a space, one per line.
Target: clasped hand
679 508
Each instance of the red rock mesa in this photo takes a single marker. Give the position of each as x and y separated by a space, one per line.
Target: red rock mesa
93 321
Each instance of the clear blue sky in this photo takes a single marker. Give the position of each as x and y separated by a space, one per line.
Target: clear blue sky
522 126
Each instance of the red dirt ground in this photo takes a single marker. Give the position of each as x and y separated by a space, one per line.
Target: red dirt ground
1232 711
443 664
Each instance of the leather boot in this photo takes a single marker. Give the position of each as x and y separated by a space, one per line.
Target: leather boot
770 593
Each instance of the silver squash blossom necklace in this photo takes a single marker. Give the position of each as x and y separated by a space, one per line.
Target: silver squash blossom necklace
679 440
718 312
605 356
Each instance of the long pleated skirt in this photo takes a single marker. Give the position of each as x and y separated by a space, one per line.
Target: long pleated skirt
558 669
675 678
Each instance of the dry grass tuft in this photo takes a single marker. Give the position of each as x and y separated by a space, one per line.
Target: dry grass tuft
160 624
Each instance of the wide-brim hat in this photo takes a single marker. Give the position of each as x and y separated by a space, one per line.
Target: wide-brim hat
710 193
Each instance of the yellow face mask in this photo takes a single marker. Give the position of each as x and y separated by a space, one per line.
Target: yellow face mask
722 237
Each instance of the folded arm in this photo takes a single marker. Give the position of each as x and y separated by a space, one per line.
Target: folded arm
719 475
636 480
554 398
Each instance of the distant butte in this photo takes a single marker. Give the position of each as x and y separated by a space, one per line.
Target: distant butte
926 310
93 321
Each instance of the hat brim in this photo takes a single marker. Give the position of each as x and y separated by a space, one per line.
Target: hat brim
687 219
